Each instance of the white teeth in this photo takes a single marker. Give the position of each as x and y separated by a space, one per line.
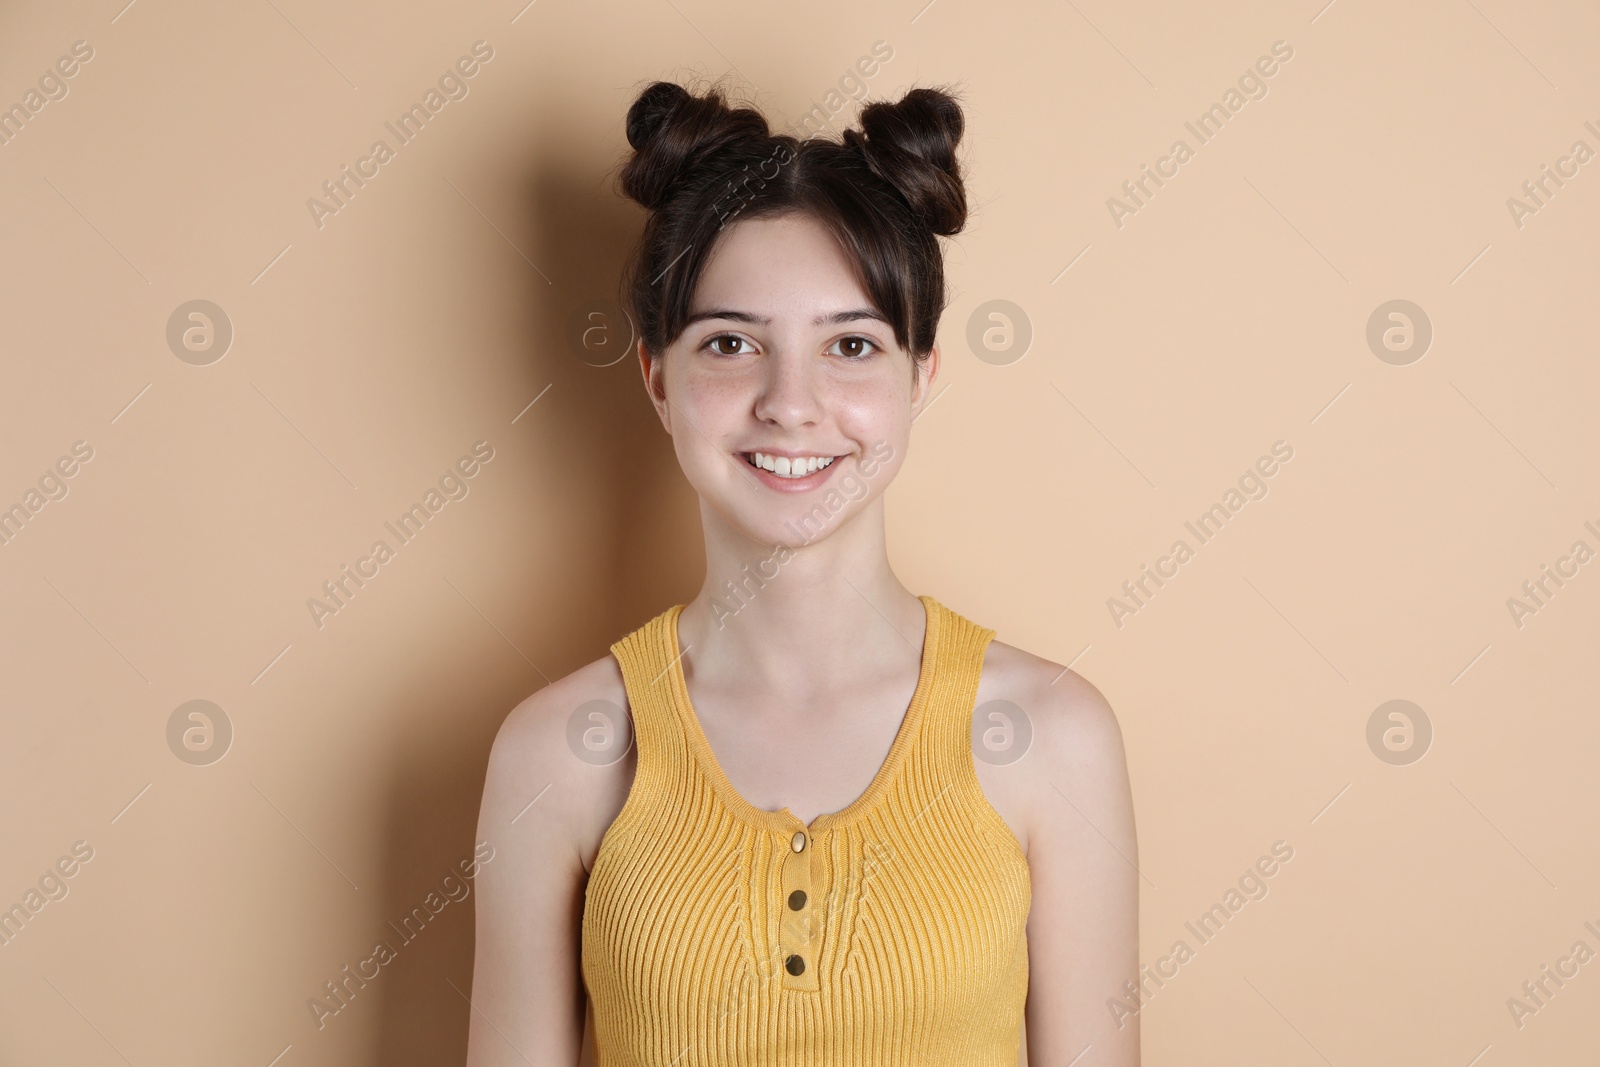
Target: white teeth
784 467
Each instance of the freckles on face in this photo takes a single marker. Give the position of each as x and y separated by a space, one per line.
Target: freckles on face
785 352
767 284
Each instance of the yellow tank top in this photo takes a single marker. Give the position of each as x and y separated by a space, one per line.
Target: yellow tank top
889 934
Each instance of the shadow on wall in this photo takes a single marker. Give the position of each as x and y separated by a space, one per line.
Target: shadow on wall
652 557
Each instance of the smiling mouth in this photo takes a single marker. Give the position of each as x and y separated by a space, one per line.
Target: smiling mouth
784 467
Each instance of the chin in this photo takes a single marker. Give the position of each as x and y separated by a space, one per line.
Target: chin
792 527
797 528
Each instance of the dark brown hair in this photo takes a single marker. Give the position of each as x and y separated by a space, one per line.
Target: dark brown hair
884 190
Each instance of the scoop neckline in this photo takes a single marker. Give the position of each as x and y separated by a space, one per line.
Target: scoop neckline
783 819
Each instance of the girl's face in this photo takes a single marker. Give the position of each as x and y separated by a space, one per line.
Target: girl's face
785 355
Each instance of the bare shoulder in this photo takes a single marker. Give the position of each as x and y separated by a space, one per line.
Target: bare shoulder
564 758
1069 741
1067 712
542 802
1083 863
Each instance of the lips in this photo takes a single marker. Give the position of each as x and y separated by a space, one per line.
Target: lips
789 483
788 466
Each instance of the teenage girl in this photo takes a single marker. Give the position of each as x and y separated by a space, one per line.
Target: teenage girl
809 817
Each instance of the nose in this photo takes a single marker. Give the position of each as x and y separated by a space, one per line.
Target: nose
789 392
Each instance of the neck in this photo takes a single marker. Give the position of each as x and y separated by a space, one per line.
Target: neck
800 617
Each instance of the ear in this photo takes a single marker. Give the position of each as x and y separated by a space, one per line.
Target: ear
655 385
922 377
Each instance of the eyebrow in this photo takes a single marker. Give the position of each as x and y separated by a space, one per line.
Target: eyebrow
834 319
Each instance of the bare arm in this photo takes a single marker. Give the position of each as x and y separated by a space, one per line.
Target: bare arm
527 991
1083 929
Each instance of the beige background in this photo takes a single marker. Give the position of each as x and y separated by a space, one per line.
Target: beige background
1230 312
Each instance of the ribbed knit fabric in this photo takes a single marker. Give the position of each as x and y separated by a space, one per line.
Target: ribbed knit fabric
910 945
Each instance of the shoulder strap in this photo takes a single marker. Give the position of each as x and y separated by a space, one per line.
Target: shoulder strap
961 648
645 659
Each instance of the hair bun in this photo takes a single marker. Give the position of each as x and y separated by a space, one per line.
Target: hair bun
671 130
651 109
911 144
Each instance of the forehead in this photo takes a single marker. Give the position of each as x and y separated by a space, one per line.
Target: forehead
790 266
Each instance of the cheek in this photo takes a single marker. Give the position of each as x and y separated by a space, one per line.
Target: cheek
874 410
695 413
716 395
707 401
707 412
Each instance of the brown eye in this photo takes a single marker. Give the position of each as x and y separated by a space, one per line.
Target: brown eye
862 347
716 343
